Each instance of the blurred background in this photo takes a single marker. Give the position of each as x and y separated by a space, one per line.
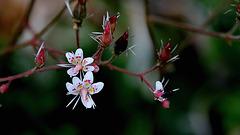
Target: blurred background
207 72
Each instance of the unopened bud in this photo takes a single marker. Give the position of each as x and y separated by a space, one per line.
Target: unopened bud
106 38
121 44
113 22
165 104
96 68
4 87
40 57
79 13
165 53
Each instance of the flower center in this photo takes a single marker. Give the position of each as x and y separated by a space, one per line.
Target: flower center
84 92
77 68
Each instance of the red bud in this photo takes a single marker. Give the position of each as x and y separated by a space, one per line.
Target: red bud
121 44
4 87
166 104
106 38
165 53
40 57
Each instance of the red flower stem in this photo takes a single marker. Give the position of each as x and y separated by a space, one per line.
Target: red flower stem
121 70
191 28
146 81
30 72
97 56
109 61
77 38
130 73
141 75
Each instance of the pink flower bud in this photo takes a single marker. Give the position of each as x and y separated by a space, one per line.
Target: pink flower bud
165 104
106 38
165 53
96 68
40 57
4 88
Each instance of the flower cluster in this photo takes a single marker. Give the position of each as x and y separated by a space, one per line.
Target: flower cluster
82 87
105 38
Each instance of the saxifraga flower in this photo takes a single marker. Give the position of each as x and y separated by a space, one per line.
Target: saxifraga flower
84 89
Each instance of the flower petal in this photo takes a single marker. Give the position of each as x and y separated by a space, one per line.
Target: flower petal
159 86
76 81
71 72
87 101
88 68
71 89
88 79
78 84
71 58
79 54
87 61
96 87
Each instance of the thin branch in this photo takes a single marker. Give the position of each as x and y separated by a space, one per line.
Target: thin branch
30 72
13 47
77 38
109 61
146 81
130 73
191 28
141 75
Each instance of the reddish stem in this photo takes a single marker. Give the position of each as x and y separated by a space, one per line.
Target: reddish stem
149 85
97 56
130 73
30 72
141 75
77 38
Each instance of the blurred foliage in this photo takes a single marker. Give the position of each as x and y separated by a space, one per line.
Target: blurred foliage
207 74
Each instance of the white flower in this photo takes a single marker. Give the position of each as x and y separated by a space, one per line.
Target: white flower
159 92
77 63
84 89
